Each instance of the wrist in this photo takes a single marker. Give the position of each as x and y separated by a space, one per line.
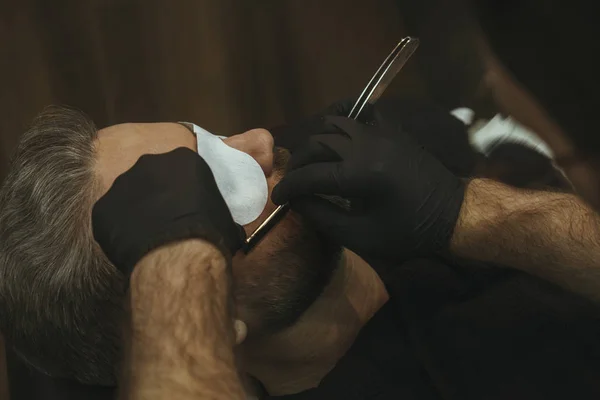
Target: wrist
481 211
491 210
205 257
181 313
189 280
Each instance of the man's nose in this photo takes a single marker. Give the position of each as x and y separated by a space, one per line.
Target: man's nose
258 143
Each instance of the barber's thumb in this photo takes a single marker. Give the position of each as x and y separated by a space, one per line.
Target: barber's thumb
341 108
328 218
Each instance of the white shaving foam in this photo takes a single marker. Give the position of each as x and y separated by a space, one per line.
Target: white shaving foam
239 177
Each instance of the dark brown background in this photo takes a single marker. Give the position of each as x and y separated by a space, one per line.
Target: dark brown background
228 65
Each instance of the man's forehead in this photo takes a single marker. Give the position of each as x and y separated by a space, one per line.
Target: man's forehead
166 131
119 147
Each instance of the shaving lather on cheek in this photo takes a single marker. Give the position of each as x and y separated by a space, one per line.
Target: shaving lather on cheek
239 177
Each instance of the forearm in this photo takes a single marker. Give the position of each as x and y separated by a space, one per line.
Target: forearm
553 235
180 334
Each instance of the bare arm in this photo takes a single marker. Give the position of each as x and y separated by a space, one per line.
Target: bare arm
555 236
180 333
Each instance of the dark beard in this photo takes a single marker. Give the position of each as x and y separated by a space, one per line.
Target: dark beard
302 267
292 271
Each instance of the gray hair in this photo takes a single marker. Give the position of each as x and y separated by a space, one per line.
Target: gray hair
61 300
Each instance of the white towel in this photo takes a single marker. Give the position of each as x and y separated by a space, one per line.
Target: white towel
500 129
239 177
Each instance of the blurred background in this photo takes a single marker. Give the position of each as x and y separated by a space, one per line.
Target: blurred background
227 65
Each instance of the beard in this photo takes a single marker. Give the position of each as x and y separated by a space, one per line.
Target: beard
285 273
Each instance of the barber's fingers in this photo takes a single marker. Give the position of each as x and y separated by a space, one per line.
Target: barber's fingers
330 219
330 147
346 125
375 126
341 108
319 178
313 152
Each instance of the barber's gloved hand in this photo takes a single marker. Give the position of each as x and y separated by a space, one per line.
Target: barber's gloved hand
293 136
409 202
162 199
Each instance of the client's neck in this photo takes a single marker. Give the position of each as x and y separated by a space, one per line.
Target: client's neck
298 358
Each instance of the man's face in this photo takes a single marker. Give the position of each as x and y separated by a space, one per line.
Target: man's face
286 271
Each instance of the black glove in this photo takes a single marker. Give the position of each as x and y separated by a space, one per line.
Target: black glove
409 201
442 135
294 135
162 199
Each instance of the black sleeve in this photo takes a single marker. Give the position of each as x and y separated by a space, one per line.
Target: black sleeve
492 333
380 365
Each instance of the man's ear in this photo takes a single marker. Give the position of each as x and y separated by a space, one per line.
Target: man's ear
241 331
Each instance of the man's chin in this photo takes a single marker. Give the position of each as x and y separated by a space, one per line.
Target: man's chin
291 273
